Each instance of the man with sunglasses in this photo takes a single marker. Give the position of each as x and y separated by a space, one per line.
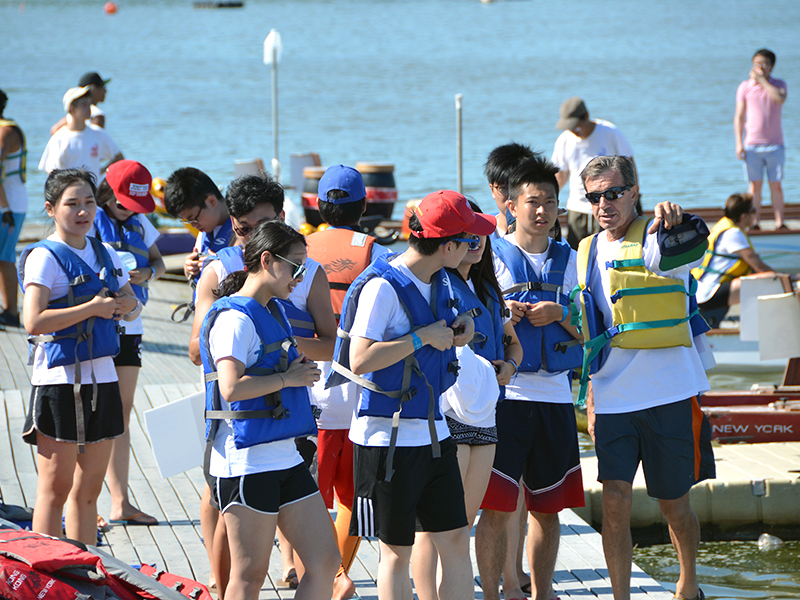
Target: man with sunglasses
400 318
582 139
644 403
191 196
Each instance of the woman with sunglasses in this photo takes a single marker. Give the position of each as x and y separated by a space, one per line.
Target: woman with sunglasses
475 284
124 199
252 200
260 479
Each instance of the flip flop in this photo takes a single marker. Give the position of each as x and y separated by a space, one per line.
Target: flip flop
102 524
700 596
290 581
137 518
526 589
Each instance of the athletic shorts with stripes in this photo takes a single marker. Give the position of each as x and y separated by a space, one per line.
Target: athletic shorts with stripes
266 492
538 442
335 467
673 443
422 488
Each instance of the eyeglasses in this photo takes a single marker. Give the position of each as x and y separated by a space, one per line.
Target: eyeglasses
610 194
472 242
194 219
299 270
244 232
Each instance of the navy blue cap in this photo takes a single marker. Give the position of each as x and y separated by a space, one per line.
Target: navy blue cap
345 179
682 244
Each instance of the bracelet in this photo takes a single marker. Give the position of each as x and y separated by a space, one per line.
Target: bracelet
137 307
564 313
152 275
416 341
513 364
283 383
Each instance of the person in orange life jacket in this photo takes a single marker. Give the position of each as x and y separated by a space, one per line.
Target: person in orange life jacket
499 165
123 199
731 256
191 196
344 252
418 483
260 476
536 429
252 200
59 421
643 401
476 286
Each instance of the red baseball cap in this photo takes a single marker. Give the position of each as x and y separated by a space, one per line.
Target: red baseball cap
445 213
131 181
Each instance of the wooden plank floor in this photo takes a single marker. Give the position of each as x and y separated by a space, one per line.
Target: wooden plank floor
176 543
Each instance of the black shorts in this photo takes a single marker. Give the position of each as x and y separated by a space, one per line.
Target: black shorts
51 412
468 435
673 443
537 441
266 492
130 351
422 488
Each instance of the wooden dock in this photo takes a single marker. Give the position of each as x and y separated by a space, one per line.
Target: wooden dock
175 544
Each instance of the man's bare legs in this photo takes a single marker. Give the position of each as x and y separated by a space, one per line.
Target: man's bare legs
617 543
754 188
776 197
544 535
684 531
491 541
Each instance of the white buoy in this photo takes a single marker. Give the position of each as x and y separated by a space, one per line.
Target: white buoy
769 542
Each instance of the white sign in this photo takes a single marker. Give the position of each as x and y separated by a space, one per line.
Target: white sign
177 432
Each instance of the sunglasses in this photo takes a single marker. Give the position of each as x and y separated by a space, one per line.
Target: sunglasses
120 207
244 232
299 270
194 219
610 194
472 242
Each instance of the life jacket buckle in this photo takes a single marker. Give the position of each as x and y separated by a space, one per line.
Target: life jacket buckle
408 394
610 333
615 297
453 367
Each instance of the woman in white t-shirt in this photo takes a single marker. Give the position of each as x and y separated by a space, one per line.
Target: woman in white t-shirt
123 199
730 255
73 431
260 477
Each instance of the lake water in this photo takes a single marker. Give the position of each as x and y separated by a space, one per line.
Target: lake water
367 80
376 80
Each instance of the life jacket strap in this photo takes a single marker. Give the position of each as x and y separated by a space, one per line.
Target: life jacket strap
626 263
188 311
532 286
646 291
338 285
126 247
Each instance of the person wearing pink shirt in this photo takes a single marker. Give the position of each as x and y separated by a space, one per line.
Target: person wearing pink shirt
759 136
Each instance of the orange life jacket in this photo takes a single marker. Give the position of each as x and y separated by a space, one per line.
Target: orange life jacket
344 254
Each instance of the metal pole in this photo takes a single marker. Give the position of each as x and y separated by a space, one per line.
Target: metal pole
459 173
276 166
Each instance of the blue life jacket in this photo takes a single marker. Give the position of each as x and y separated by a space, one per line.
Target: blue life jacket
410 388
125 237
488 340
282 415
93 338
550 348
302 323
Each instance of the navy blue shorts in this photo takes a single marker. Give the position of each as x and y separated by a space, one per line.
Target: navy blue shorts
673 443
537 441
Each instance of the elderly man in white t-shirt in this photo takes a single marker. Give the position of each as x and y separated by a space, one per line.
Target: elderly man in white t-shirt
644 406
583 139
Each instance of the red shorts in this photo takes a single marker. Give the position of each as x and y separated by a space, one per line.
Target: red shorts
335 467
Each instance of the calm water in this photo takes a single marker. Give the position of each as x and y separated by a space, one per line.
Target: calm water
367 80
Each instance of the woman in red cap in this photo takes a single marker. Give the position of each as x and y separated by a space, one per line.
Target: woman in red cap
123 200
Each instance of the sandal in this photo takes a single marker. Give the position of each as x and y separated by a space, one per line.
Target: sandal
700 596
289 581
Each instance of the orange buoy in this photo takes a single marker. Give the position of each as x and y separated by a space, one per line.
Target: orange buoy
307 229
323 227
110 8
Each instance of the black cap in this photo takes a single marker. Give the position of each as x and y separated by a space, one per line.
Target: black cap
92 78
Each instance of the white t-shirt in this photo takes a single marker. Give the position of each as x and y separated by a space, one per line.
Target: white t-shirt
338 403
234 336
728 242
151 234
540 386
42 268
632 380
87 149
381 317
572 154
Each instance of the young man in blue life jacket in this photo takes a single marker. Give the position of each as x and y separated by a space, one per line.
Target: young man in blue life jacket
400 326
645 385
344 252
499 165
191 196
536 430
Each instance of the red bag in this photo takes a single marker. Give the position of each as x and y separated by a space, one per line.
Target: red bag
187 587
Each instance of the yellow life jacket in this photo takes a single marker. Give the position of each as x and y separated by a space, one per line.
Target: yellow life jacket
22 154
737 269
649 311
